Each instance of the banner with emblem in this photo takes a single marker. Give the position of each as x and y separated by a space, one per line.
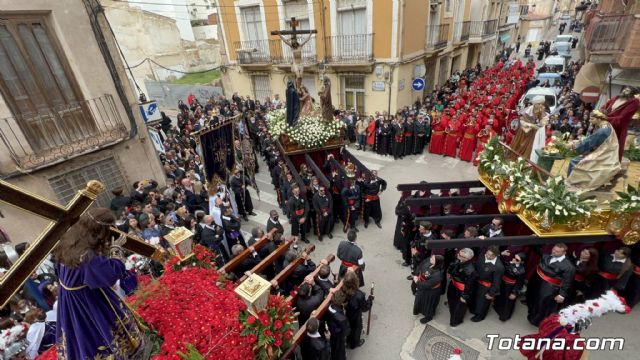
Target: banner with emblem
216 149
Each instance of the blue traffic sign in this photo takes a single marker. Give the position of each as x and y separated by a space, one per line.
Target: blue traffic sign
417 84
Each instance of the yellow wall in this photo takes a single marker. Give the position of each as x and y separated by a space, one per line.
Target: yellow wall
382 28
227 14
415 15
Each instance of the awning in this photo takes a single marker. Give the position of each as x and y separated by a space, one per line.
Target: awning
626 77
590 74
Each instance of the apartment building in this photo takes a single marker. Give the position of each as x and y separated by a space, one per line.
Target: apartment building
611 45
67 112
371 50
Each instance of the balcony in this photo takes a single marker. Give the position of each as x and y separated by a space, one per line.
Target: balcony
351 49
266 52
63 132
607 36
524 10
464 31
489 27
480 31
437 37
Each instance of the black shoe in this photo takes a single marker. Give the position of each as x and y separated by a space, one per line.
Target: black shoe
330 236
356 229
476 318
378 224
252 213
454 325
305 241
320 239
245 218
410 277
366 225
360 343
405 264
425 320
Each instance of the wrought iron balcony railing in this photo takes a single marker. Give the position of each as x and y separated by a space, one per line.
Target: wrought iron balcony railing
489 27
257 52
466 25
437 36
62 132
609 34
351 48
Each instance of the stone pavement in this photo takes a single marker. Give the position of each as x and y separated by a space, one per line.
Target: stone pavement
395 332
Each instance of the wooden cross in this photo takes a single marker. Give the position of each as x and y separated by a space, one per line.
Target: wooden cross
296 46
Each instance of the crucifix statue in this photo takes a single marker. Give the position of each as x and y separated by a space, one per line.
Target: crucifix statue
296 46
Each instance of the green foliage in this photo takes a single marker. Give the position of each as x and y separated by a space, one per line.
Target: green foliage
199 78
192 353
629 202
633 153
492 157
518 173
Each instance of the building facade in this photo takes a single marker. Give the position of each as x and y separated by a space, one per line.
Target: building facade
370 50
611 45
67 111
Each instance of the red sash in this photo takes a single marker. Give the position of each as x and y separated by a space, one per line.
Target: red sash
460 286
299 212
398 138
324 209
508 280
408 134
579 277
348 264
371 197
608 275
421 277
547 278
436 286
485 283
636 269
351 202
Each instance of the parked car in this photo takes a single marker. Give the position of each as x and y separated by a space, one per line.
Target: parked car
561 49
564 38
556 64
550 97
555 79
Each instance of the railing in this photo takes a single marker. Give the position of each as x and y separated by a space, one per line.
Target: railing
489 27
608 34
62 132
465 30
438 36
475 28
351 48
258 51
524 10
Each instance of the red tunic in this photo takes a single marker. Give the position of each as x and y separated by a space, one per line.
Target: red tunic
452 139
436 144
620 118
371 133
468 143
483 138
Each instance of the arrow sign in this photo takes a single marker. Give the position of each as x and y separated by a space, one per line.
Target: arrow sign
417 84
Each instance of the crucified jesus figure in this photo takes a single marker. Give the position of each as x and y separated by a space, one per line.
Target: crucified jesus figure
296 47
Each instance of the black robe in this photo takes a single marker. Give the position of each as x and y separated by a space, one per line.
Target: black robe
339 328
489 279
427 290
383 140
371 193
541 293
610 276
298 209
409 138
350 255
306 306
512 283
315 348
356 305
323 205
462 274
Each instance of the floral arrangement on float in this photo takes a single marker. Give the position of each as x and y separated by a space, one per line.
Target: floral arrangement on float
9 336
515 175
193 313
625 219
310 131
553 203
491 158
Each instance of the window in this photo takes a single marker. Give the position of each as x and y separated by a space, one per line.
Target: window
299 9
261 87
353 92
66 185
37 84
447 6
252 23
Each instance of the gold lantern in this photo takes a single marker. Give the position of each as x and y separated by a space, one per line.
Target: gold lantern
255 292
181 242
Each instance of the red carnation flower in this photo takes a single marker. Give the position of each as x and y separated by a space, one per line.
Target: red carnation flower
264 319
251 319
288 335
278 342
268 333
278 324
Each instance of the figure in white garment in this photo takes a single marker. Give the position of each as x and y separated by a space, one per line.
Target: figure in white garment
597 161
531 131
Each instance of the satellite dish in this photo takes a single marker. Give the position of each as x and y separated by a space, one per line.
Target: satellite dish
419 71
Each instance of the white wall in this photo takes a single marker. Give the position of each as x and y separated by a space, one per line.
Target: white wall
175 9
206 32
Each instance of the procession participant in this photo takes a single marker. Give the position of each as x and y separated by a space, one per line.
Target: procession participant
357 303
483 138
511 286
490 271
371 190
299 209
314 346
549 286
274 222
420 246
384 139
470 130
420 131
351 200
287 184
615 271
350 255
338 326
323 206
92 320
336 185
409 142
371 135
408 231
632 291
463 282
453 135
439 124
238 183
398 139
231 225
586 274
310 296
323 279
428 280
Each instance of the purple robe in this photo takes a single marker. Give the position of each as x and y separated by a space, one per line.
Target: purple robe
93 322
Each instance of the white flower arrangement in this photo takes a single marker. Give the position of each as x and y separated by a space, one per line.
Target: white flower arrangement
555 201
11 335
628 202
309 132
518 173
492 157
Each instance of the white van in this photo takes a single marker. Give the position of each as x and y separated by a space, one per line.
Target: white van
555 64
564 38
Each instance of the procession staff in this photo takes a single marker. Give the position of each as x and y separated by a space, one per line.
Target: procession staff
323 205
298 208
463 282
350 256
490 271
372 189
550 284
